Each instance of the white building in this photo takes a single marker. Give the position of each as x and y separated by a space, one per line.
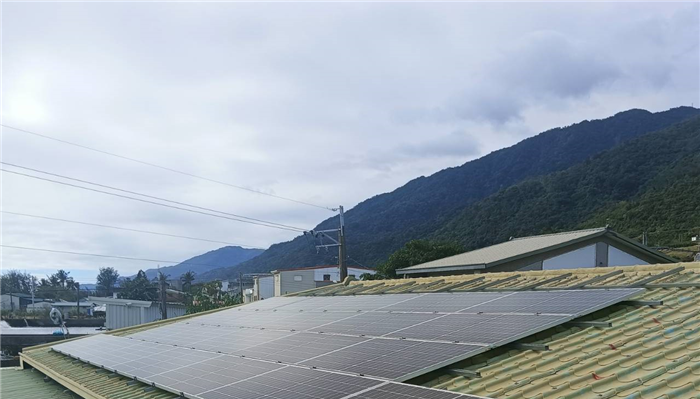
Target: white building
130 312
599 247
287 281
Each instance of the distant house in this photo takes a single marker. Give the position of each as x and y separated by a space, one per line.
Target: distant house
286 281
599 247
17 301
84 307
130 312
263 287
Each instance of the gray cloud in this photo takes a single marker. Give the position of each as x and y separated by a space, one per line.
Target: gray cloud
325 102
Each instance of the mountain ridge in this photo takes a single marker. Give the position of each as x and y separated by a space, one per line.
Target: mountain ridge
381 224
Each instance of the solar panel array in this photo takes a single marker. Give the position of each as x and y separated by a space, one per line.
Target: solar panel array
373 338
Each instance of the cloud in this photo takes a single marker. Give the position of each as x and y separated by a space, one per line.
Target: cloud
328 103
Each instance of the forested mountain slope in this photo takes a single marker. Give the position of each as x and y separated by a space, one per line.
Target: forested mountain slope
650 183
380 225
201 264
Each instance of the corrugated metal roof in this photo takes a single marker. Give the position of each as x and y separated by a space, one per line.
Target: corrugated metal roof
16 383
648 352
481 258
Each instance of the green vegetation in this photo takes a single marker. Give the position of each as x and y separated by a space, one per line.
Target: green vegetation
106 280
414 253
650 183
208 296
557 180
139 288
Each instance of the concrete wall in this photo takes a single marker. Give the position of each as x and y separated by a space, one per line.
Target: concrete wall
265 288
287 282
334 273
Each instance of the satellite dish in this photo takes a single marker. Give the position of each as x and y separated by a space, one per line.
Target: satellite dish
56 316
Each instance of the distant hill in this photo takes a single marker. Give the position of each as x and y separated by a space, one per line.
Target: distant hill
222 257
651 183
451 199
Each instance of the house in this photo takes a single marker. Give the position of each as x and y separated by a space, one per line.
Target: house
600 247
263 287
646 347
67 308
17 301
122 313
287 281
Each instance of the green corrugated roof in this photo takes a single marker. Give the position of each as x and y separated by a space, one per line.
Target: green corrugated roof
16 383
649 352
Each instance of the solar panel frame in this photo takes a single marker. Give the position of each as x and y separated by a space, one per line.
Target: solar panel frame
191 378
411 344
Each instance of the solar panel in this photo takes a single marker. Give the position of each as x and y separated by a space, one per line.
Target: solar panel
206 375
375 337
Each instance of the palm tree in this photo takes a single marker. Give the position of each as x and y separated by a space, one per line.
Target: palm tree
62 276
187 279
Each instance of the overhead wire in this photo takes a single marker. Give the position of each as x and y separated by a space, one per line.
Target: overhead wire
149 196
147 201
124 228
108 256
167 168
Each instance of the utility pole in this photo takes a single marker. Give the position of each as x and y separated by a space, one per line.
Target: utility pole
77 299
342 267
240 285
163 298
340 242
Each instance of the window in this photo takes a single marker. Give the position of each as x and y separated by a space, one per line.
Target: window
297 278
326 277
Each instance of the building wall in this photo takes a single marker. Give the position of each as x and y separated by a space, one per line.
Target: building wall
9 303
120 316
334 273
265 288
579 258
287 282
618 257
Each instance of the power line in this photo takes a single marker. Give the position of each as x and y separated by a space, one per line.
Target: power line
166 168
295 229
149 196
124 228
107 256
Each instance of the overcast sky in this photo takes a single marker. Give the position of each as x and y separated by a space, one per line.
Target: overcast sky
329 103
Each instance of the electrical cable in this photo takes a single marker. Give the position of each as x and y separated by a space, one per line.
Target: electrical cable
148 196
124 228
167 168
148 202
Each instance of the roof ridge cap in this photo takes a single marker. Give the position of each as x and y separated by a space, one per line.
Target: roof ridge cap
561 233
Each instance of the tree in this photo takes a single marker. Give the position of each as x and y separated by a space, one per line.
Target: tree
62 277
187 279
209 296
53 280
140 288
14 281
416 252
107 279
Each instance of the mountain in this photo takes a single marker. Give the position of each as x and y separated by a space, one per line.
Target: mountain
651 183
201 264
380 225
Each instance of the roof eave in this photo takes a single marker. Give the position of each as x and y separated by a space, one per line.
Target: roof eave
408 270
